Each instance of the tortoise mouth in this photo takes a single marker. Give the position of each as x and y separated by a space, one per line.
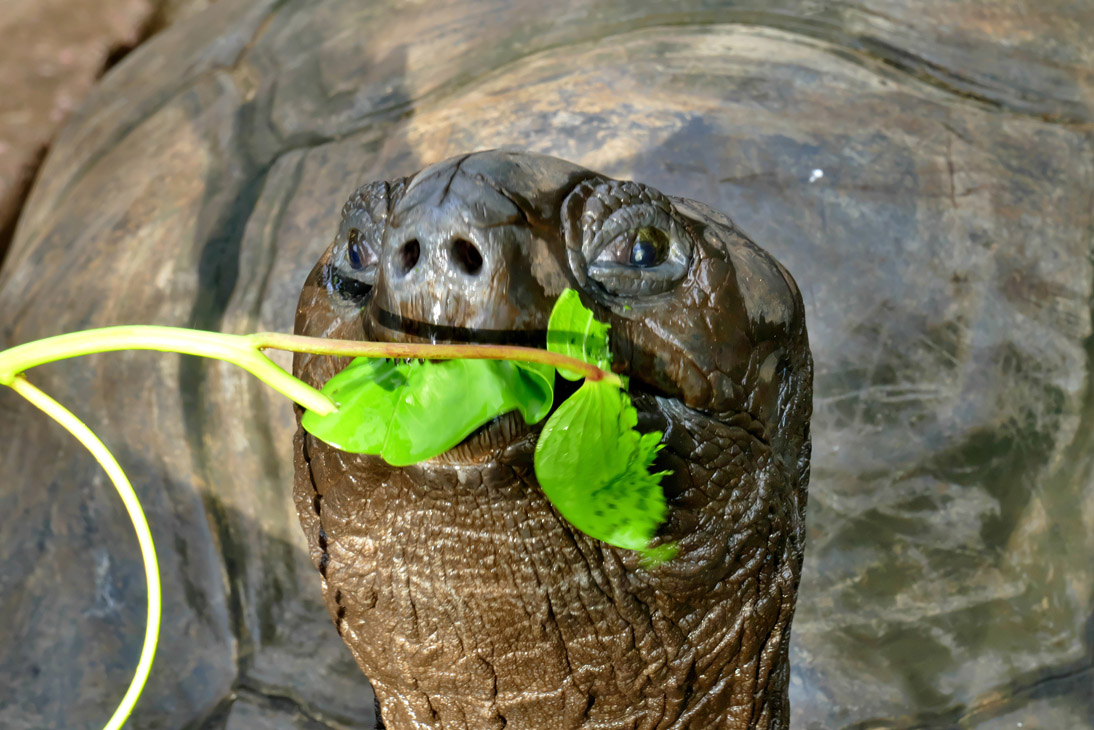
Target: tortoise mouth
484 443
507 433
456 334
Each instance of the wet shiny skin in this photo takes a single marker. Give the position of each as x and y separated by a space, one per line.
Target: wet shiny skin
466 599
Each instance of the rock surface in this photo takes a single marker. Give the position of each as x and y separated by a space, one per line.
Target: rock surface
926 173
54 50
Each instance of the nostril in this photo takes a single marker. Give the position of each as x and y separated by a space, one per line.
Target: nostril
467 256
409 255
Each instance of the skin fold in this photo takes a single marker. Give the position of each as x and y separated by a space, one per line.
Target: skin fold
467 600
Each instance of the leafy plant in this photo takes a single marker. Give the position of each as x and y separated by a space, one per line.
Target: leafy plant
394 409
591 462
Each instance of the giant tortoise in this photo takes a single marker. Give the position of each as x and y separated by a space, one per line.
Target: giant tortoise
925 173
466 597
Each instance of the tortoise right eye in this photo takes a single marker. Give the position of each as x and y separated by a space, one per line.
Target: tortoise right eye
358 254
353 266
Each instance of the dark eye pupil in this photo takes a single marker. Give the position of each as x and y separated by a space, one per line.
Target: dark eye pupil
644 253
355 261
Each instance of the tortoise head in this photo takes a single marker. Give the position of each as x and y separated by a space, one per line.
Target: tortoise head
464 596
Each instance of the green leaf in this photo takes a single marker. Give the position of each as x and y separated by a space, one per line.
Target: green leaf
590 460
407 413
444 402
594 467
366 391
573 330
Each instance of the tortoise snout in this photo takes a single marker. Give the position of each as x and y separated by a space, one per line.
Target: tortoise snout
435 254
456 258
442 269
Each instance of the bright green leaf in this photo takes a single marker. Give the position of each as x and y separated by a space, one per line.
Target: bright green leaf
590 460
407 413
542 379
573 330
594 467
366 392
444 402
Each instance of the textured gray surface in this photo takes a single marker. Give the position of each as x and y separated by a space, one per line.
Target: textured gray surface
926 174
54 51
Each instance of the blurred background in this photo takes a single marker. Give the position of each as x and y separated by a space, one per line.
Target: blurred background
925 171
55 50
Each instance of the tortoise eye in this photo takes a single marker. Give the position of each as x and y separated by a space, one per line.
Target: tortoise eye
356 253
644 253
627 238
643 248
353 266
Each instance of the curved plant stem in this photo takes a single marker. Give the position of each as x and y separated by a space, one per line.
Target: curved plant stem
144 536
245 351
236 349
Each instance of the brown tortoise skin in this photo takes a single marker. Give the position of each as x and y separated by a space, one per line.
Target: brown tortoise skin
464 596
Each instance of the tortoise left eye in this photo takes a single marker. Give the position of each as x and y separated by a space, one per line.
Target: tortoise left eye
646 252
643 248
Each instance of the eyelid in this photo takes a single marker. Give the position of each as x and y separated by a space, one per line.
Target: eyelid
370 259
629 281
621 248
626 220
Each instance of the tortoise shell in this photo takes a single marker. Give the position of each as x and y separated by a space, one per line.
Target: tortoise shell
924 172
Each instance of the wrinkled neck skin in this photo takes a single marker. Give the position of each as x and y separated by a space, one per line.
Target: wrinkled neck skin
470 603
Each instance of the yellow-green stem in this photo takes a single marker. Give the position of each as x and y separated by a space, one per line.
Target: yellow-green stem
91 442
244 351
236 349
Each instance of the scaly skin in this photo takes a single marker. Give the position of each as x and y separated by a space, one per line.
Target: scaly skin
464 596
